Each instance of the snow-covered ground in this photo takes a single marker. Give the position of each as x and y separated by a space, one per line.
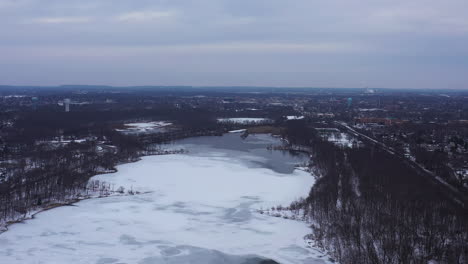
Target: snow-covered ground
294 117
201 208
62 141
238 131
243 120
67 141
144 126
342 139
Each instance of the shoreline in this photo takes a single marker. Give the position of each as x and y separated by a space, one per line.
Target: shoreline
4 226
72 202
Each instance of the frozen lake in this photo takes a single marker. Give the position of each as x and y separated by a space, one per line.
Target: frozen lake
200 208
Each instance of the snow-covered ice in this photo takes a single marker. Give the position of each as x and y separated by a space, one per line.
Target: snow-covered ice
201 208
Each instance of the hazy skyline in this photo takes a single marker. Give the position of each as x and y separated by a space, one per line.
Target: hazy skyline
333 43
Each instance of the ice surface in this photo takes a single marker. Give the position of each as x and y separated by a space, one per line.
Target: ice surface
200 209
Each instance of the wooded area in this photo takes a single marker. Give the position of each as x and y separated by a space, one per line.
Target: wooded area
369 207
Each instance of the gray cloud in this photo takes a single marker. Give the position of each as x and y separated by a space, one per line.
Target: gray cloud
387 43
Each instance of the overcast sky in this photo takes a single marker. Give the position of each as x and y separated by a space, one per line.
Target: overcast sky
318 43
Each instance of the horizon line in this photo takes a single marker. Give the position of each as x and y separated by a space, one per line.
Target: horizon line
219 86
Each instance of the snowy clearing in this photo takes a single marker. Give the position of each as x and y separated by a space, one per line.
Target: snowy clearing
294 117
144 126
243 120
341 139
199 209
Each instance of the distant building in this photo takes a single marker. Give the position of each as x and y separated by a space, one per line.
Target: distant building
325 115
381 121
34 101
67 102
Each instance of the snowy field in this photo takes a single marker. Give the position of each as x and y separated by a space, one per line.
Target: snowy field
343 140
243 120
201 209
144 127
294 117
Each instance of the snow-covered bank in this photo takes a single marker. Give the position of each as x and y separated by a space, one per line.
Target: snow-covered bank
95 189
238 131
201 208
